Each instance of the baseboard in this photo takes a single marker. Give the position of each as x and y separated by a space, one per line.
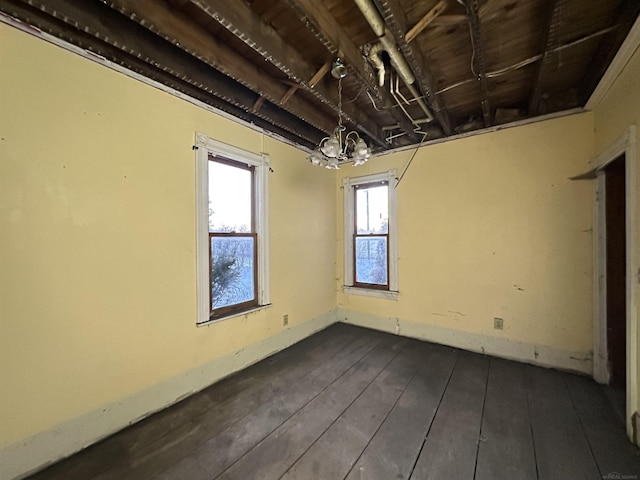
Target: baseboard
579 362
34 453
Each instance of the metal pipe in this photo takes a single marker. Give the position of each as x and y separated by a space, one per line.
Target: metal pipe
374 57
398 92
418 99
397 60
399 103
388 43
373 17
388 128
376 21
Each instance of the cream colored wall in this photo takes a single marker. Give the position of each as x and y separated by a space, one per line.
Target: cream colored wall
97 259
619 109
491 226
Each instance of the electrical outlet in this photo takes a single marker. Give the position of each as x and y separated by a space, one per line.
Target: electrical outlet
498 323
285 320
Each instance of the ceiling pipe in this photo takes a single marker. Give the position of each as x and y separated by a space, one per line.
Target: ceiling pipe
374 58
418 98
394 94
398 61
372 16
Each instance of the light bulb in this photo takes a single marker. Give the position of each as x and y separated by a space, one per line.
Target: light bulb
331 147
332 164
361 148
316 158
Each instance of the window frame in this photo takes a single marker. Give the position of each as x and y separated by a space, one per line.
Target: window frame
206 147
349 187
236 307
355 235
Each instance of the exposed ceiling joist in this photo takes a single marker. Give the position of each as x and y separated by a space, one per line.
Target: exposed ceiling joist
174 27
114 36
266 61
312 83
396 21
609 46
478 60
425 21
338 42
549 40
240 20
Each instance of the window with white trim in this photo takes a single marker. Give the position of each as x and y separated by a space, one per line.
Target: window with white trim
370 235
232 236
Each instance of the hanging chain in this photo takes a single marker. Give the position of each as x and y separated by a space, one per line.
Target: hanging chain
340 103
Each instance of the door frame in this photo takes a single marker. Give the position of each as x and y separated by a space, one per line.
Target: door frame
624 145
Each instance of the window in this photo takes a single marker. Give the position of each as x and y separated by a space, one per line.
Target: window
231 230
370 235
232 237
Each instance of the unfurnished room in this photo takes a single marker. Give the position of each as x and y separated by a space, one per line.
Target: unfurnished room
319 239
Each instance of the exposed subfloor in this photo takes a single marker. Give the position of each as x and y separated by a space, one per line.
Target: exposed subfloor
358 404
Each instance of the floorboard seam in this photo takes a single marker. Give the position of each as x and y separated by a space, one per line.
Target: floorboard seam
344 343
341 413
294 413
424 440
484 402
533 440
582 427
418 370
348 341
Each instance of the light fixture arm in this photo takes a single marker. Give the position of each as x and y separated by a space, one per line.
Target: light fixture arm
338 147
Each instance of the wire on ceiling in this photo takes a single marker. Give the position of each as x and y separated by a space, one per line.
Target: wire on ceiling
523 63
404 171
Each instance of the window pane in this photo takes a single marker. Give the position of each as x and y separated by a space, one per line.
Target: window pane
232 270
230 198
371 260
372 209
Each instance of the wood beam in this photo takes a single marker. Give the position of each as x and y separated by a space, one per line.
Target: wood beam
549 40
312 83
320 73
174 27
258 105
625 17
396 23
425 21
285 98
327 29
448 20
97 28
479 64
238 18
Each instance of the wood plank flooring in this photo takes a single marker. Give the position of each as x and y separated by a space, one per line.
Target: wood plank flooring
351 403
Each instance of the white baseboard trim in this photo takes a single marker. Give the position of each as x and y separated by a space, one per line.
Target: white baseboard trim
580 362
34 453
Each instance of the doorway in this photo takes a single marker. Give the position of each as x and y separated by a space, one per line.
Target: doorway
616 281
615 263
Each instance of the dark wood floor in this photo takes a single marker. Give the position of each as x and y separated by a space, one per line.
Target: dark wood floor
357 404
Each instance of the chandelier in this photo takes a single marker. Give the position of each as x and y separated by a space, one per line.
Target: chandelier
340 148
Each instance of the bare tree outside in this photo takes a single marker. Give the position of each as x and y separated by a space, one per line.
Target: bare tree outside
372 227
232 242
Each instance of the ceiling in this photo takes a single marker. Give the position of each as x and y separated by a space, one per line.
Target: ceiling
448 66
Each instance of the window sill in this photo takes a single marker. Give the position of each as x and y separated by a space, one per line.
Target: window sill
234 314
369 292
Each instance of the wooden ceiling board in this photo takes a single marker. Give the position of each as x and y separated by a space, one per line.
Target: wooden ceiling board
255 58
509 41
578 18
414 10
